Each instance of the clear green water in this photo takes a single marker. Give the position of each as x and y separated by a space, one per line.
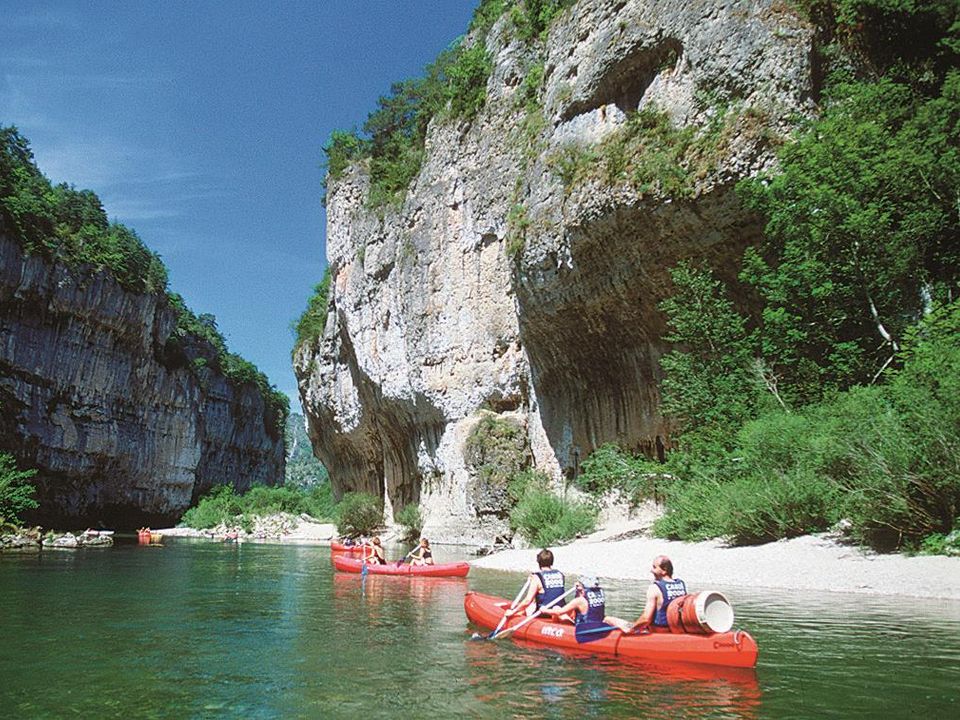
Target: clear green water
203 630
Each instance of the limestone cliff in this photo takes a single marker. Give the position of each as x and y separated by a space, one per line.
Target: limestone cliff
522 273
125 425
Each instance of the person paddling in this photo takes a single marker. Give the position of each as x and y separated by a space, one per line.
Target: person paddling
662 591
422 555
375 555
543 587
588 605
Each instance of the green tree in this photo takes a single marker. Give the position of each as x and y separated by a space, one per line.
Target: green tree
862 228
16 493
711 381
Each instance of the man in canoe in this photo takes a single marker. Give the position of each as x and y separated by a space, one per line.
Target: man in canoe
662 591
542 587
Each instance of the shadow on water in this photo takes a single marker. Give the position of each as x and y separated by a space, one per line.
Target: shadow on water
205 630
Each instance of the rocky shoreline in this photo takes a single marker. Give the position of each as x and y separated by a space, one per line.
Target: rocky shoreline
34 540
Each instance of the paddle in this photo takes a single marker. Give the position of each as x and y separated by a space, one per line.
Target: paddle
519 625
401 560
523 590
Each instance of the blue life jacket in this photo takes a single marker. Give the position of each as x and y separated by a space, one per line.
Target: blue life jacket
596 606
671 590
552 582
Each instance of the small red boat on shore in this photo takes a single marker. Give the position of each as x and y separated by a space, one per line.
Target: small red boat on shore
729 649
338 547
355 565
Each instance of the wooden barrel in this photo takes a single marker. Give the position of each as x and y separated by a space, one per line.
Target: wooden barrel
705 612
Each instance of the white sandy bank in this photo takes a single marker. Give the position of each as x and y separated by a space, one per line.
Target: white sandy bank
814 562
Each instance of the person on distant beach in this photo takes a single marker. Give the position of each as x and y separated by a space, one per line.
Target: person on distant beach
662 591
422 555
375 556
543 587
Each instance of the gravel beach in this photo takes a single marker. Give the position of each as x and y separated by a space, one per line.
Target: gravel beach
813 562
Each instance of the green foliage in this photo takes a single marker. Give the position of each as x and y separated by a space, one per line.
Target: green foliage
223 506
544 518
303 470
911 39
310 326
709 385
887 458
359 514
16 493
517 225
191 327
220 505
409 517
343 148
454 86
495 450
572 163
532 18
68 225
467 81
609 469
940 544
861 225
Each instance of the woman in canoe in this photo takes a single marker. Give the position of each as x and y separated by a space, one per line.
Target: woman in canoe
373 553
422 555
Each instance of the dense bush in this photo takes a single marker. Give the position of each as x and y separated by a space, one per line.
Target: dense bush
359 514
887 458
16 493
222 505
409 518
609 469
543 517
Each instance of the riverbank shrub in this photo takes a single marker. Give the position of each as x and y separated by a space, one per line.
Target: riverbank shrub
410 519
544 518
610 469
359 514
223 505
16 492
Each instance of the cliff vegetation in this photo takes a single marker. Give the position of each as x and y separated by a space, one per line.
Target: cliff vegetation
63 224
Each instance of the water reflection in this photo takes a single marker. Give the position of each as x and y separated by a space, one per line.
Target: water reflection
548 682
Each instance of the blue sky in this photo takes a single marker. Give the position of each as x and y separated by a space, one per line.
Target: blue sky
199 124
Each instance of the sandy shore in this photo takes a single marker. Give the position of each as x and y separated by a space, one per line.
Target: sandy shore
814 562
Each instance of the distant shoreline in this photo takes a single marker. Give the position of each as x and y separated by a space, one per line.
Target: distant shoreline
810 563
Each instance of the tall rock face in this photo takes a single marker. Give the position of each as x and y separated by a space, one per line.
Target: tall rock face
125 425
522 274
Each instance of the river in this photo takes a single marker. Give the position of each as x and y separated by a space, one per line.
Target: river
194 629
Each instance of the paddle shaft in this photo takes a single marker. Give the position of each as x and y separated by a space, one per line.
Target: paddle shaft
550 604
503 620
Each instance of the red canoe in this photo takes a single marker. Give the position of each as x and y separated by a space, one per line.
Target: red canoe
730 649
341 548
355 565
